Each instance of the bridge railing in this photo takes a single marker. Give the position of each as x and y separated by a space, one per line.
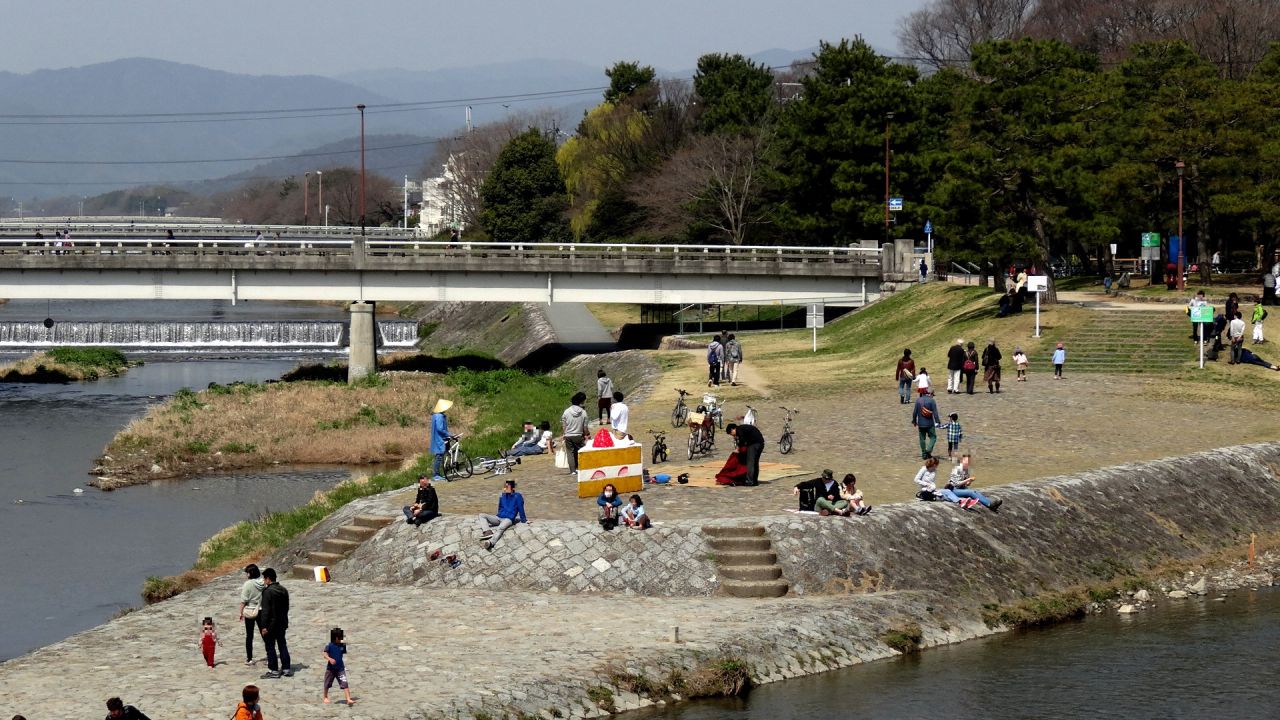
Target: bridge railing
190 227
374 247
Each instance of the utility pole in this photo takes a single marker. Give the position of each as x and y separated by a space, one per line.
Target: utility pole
404 221
888 122
1182 240
306 196
360 107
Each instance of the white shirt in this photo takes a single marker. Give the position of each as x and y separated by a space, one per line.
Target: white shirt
618 415
922 380
925 479
545 440
1236 328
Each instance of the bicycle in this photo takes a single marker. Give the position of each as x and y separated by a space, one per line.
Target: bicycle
702 437
788 435
680 412
500 465
750 417
456 462
714 406
659 446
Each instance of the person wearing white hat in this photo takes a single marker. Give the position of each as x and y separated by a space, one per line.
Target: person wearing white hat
439 435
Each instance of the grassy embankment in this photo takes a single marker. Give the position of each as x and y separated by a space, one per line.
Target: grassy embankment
488 405
66 364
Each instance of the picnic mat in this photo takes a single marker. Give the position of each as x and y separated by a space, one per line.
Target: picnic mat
704 474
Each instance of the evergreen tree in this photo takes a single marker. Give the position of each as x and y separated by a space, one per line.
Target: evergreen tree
524 194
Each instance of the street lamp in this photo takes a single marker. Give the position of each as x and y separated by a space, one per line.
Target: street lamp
1182 241
360 107
320 197
306 195
888 122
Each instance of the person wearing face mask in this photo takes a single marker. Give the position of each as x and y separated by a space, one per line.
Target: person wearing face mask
609 502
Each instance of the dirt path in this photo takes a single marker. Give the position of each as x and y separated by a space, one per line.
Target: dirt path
748 375
1096 301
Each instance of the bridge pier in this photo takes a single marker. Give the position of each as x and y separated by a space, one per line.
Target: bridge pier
363 342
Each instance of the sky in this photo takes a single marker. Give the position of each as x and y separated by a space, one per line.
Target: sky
330 37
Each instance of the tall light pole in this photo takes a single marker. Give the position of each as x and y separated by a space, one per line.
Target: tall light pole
404 222
320 197
306 196
360 107
888 122
1182 241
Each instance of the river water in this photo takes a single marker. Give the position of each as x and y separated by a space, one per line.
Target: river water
69 561
1197 658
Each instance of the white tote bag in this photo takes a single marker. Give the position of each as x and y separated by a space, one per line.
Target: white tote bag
562 458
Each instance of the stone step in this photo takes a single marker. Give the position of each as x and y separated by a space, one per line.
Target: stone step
725 531
743 558
739 543
750 573
355 533
339 546
304 572
373 521
325 558
759 589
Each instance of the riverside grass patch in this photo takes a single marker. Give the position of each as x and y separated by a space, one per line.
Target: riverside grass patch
503 399
66 364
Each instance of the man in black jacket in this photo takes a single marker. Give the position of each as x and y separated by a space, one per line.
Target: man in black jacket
955 363
750 444
117 710
273 618
821 494
426 507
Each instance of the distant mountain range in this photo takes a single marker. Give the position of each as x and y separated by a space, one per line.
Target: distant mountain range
122 112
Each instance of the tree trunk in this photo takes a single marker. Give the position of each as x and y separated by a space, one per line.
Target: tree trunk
1042 262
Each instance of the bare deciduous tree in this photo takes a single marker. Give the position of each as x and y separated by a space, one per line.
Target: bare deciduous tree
714 179
945 32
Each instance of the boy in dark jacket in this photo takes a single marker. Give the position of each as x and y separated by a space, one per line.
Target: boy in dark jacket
273 618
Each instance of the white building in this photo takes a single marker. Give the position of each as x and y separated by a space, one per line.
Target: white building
438 208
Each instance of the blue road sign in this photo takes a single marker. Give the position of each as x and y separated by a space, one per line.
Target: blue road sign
928 227
895 204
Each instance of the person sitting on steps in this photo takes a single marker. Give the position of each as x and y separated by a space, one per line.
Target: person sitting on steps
960 480
826 494
510 511
425 507
850 493
609 502
634 516
926 478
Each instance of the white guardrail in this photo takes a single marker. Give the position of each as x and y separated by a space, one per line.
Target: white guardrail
245 245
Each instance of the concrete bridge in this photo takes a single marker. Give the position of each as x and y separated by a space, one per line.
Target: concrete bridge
114 263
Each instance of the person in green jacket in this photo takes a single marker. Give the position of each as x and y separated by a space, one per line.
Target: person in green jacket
1259 314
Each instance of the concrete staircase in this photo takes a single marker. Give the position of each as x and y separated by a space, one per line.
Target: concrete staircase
748 566
1117 341
345 539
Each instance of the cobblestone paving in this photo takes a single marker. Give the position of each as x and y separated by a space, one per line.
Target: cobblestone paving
420 653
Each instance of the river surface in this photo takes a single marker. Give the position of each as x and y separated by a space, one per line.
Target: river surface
1197 658
69 561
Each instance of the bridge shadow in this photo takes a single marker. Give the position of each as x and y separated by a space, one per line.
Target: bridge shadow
553 355
337 372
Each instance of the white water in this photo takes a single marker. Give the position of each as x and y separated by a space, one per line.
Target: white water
195 335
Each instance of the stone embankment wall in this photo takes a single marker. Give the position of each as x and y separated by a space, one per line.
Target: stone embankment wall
550 555
508 331
1049 534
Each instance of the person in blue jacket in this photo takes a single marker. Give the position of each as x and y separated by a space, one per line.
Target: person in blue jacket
439 435
510 512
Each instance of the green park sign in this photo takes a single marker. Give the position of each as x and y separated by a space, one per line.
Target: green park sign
1150 239
1202 314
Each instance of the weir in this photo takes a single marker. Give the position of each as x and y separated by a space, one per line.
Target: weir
202 335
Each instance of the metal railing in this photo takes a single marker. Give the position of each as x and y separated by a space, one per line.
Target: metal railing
378 247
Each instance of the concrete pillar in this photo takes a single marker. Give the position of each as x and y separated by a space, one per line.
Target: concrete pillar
363 342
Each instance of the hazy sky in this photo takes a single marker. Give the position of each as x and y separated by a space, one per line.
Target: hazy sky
328 37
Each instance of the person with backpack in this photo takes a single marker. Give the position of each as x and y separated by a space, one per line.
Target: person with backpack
905 373
970 368
991 366
715 360
1259 314
732 359
924 417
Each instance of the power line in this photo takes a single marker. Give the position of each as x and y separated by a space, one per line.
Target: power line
223 180
432 141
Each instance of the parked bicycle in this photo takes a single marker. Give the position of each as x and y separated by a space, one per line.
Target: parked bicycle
788 435
500 465
714 406
457 464
659 446
702 434
680 413
749 418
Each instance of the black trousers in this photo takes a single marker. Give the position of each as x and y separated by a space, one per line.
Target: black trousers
277 650
422 516
250 629
752 461
713 373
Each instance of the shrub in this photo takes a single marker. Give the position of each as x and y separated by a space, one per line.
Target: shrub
726 677
904 638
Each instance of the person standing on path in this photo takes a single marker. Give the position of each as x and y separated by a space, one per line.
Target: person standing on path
732 359
991 366
250 605
1235 332
924 270
1059 359
574 423
1232 306
1259 314
274 621
751 445
209 641
117 710
924 417
510 512
336 666
970 368
604 394
619 415
955 364
1020 362
248 708
715 359
905 373
439 436
425 507
1195 302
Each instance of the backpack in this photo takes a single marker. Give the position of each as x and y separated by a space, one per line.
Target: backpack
712 354
970 366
